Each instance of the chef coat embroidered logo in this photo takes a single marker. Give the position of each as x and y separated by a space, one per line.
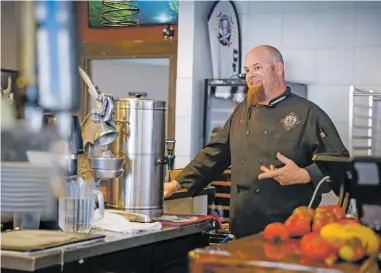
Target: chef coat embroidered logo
290 121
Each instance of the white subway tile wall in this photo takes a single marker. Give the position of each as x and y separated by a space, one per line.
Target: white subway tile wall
184 95
185 44
327 45
193 66
183 132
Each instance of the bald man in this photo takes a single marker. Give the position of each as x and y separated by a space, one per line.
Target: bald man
269 142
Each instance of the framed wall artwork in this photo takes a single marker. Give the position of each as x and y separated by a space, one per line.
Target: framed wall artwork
104 14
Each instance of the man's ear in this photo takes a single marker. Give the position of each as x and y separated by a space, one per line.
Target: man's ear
279 68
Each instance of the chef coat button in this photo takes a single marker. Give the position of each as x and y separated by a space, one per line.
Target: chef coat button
265 132
257 190
242 160
261 161
247 132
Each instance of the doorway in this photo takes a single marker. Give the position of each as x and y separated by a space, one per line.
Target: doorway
124 78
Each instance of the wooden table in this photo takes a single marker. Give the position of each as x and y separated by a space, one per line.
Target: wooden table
253 254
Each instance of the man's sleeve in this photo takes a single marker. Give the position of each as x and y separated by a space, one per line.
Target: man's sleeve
327 139
213 159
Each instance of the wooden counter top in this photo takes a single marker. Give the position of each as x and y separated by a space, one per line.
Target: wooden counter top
253 254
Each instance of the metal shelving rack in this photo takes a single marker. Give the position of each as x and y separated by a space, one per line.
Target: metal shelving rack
364 122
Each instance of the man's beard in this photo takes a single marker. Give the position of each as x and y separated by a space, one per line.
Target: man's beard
254 94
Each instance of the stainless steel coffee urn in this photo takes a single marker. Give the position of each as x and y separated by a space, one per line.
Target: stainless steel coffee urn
141 126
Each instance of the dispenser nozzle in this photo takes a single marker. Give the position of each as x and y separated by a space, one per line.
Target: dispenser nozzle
170 144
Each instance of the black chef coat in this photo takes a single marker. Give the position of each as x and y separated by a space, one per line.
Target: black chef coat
252 136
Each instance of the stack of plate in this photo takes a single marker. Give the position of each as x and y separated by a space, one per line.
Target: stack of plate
24 187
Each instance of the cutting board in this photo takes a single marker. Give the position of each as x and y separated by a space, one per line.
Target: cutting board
34 240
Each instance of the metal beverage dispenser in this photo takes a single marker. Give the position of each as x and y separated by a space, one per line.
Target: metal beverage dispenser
140 123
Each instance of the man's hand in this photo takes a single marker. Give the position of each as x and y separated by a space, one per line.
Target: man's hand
170 188
287 175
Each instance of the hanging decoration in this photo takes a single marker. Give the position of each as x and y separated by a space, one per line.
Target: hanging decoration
225 45
119 13
124 13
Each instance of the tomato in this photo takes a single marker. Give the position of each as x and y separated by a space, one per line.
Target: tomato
315 247
324 215
274 251
276 233
305 211
293 247
298 217
319 223
325 208
338 211
298 225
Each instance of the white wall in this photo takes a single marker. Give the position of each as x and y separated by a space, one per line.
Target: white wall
193 66
327 45
121 76
9 38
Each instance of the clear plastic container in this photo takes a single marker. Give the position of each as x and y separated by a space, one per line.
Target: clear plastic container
76 207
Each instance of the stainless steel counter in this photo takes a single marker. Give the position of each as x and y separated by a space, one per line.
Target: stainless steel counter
111 243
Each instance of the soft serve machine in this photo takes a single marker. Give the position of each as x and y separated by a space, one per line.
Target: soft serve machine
123 139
